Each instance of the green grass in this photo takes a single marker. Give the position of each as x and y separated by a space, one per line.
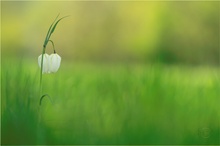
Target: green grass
110 104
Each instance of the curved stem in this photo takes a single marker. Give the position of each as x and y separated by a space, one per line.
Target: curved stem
52 45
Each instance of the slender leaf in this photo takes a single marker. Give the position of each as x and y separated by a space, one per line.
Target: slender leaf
48 33
54 27
45 95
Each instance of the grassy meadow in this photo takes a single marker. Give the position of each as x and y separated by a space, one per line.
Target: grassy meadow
109 103
132 72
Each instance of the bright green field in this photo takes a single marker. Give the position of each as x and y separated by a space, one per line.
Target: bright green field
110 104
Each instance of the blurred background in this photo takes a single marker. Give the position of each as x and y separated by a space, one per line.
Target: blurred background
131 73
168 32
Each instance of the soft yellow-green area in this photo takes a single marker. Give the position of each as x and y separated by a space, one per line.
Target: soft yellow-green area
170 32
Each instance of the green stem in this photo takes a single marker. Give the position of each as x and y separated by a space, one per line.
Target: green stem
41 68
53 46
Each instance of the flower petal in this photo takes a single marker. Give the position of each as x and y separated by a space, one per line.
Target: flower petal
55 60
45 63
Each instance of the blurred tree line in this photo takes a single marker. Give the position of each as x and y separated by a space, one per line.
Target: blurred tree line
167 32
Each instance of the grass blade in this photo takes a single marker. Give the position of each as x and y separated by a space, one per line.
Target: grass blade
45 95
54 27
48 32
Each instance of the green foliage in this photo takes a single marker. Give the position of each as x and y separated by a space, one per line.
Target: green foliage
110 104
52 29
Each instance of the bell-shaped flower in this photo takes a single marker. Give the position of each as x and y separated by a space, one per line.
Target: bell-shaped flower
54 60
45 63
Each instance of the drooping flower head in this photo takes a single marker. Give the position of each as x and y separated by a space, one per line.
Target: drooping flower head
51 63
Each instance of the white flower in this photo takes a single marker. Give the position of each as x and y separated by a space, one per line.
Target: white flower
51 63
54 60
45 63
